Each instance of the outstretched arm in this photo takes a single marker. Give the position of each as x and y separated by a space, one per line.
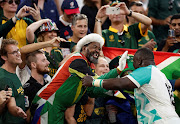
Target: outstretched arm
32 28
146 21
109 84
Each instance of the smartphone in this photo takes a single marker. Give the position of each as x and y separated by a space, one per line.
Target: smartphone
66 44
6 87
32 5
171 33
112 10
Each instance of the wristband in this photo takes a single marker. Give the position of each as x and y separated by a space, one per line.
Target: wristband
17 18
97 20
97 83
130 14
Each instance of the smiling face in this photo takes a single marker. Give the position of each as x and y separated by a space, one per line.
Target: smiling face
13 55
102 66
42 64
80 28
92 52
9 8
49 35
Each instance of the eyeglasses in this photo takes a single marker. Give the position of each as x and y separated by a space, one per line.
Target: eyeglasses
15 52
170 5
11 1
174 24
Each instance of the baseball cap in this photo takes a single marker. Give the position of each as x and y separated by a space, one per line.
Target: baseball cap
48 26
70 7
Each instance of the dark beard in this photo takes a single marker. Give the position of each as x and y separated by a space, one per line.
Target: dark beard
42 72
90 57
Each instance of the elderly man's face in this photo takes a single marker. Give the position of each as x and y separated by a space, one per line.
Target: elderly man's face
93 52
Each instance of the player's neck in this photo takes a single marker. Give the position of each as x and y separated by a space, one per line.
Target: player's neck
118 26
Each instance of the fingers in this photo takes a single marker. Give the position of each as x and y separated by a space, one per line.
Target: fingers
21 113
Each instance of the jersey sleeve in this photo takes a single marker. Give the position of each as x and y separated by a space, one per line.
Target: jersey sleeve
80 67
140 76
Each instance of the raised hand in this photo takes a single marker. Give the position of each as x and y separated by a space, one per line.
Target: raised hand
24 11
123 8
35 12
122 61
102 12
56 40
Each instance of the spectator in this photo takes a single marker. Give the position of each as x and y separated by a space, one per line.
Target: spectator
66 84
38 64
172 43
14 25
160 12
48 31
90 9
43 8
149 40
98 115
16 104
69 8
118 35
79 28
153 91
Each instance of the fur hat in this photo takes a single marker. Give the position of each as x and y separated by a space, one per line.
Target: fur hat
93 37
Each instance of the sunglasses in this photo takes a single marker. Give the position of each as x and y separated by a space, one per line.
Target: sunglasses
174 24
11 1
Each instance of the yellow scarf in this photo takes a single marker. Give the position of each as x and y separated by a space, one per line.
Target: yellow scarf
18 32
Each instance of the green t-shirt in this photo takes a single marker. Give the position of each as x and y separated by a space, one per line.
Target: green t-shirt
129 38
55 58
11 79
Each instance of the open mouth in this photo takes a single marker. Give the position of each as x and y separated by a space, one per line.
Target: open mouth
95 55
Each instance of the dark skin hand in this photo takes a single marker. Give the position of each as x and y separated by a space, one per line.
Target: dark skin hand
111 84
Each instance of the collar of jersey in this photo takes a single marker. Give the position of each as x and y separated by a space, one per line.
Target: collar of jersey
125 28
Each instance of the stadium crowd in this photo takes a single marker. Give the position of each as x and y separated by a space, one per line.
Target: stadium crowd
53 69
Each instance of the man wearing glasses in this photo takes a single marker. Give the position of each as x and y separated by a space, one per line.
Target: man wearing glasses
14 25
15 106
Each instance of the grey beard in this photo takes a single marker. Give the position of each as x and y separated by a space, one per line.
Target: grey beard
93 60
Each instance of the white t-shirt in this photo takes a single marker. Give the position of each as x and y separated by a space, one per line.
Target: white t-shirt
153 97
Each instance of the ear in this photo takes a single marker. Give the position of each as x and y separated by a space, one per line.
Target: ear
84 48
4 58
33 65
72 28
2 4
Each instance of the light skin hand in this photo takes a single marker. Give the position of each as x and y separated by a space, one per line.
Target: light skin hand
55 41
2 97
35 12
150 44
21 113
123 8
102 12
23 12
